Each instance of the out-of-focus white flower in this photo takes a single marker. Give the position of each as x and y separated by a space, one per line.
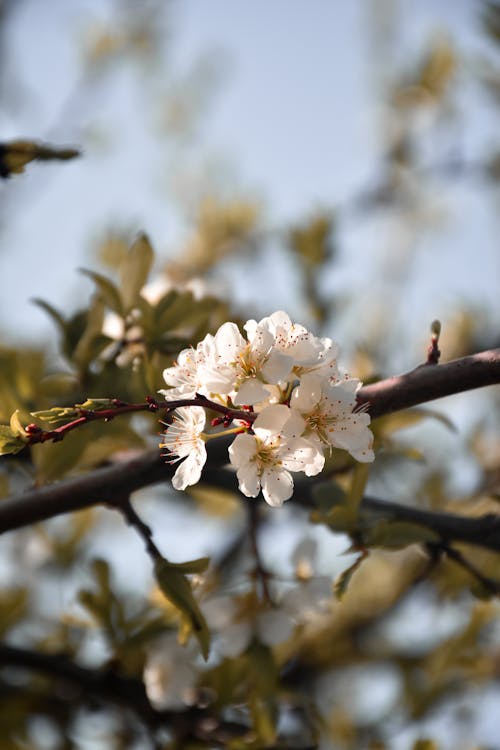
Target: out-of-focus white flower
184 439
154 290
128 332
328 410
236 629
128 336
265 459
169 674
313 593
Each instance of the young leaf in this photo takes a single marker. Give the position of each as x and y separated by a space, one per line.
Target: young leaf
16 426
135 269
177 589
9 442
107 290
398 534
344 579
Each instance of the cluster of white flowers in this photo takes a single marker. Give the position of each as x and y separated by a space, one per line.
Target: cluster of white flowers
286 402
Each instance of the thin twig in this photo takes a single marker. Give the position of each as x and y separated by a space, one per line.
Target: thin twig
36 434
490 584
124 506
260 572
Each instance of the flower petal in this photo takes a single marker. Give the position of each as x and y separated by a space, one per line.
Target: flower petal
242 450
248 480
251 391
189 471
271 420
277 486
277 367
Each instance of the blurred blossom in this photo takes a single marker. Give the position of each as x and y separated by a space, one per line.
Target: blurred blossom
169 674
127 332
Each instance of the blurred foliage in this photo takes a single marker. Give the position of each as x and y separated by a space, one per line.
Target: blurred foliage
282 646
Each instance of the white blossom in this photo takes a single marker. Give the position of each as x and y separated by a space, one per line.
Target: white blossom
169 674
309 353
299 406
236 626
329 412
265 459
188 376
184 439
242 368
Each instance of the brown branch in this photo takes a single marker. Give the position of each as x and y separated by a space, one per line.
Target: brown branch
429 383
107 685
421 385
260 573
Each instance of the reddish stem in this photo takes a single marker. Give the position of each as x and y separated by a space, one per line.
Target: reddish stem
37 435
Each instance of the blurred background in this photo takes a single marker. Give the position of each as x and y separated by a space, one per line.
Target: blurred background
339 160
380 117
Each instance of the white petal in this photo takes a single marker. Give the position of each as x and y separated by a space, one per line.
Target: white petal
234 639
274 627
189 471
365 455
250 327
242 450
262 341
229 342
306 549
307 394
280 319
277 367
248 480
299 454
251 391
351 432
198 417
277 486
219 379
294 426
271 420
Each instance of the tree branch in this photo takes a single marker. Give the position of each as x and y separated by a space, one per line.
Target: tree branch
428 383
106 685
423 384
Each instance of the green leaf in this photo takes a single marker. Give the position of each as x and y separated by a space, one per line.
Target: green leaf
10 443
358 484
92 341
344 578
409 417
191 566
177 312
13 607
135 269
398 534
177 589
56 316
57 416
107 290
16 426
326 495
425 744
